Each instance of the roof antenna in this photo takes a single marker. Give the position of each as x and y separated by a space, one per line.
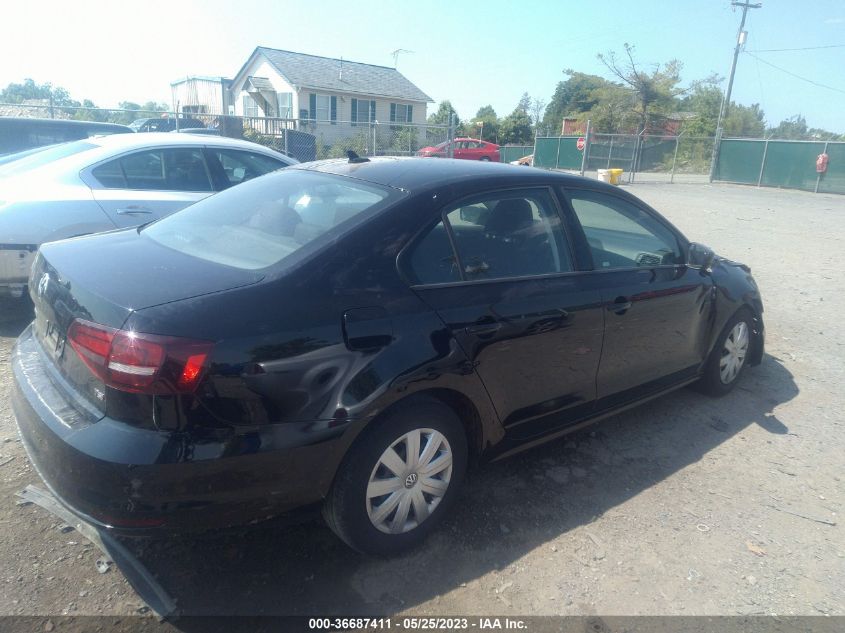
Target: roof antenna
354 158
340 74
396 54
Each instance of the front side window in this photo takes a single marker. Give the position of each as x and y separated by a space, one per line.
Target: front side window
497 236
181 169
622 235
262 222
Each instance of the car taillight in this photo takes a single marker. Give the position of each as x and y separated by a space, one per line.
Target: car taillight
141 363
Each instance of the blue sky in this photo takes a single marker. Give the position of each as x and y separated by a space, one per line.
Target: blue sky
471 52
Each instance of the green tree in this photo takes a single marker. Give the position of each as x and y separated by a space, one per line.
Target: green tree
18 93
441 116
612 112
516 128
793 128
489 131
91 113
571 97
655 92
538 106
705 100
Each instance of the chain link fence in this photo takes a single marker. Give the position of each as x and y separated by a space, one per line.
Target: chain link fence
303 139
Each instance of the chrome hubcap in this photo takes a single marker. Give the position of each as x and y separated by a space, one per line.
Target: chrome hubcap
409 481
733 353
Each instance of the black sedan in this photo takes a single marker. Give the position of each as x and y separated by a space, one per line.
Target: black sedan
352 335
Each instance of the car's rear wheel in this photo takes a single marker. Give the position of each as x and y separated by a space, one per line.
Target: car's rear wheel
729 356
485 159
399 479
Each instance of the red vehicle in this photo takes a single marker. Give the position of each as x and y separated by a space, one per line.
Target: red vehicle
466 148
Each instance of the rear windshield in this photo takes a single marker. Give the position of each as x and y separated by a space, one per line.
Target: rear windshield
31 160
261 222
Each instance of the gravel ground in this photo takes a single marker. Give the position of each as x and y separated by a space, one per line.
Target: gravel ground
686 505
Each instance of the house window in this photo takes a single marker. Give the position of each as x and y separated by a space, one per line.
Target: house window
401 113
251 107
321 108
285 108
363 111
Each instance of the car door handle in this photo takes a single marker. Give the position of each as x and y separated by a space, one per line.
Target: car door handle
620 305
134 210
484 328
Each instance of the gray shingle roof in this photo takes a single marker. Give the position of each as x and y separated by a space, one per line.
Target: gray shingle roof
311 71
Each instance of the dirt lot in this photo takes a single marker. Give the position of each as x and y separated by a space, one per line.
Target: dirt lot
686 505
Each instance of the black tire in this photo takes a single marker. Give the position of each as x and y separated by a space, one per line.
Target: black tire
484 159
346 508
711 382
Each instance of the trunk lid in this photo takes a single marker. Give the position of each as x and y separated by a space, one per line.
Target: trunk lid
103 279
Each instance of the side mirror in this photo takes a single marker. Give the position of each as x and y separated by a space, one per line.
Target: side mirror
700 256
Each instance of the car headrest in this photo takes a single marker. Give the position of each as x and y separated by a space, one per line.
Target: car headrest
508 217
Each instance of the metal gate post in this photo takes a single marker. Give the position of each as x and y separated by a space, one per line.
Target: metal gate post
763 163
557 158
587 140
819 175
714 157
610 152
675 157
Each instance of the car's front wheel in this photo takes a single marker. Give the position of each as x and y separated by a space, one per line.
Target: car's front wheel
729 356
485 159
399 479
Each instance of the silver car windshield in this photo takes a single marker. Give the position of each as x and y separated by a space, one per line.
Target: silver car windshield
31 160
257 224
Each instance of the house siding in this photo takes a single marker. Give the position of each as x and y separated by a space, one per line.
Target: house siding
197 92
261 68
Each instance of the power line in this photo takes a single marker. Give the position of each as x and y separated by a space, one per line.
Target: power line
783 70
803 48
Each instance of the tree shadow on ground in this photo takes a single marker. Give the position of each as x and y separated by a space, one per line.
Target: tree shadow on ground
507 509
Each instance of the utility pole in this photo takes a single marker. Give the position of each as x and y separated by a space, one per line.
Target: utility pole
726 99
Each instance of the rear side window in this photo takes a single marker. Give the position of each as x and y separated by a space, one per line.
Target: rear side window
622 235
238 166
497 236
260 223
178 169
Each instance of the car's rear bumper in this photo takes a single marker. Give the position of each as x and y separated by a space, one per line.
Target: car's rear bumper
168 483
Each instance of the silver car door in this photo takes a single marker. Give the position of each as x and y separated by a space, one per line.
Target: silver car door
148 184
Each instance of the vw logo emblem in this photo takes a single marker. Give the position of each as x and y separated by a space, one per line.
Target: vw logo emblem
410 480
42 284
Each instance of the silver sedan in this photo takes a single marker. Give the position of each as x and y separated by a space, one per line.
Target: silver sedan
112 182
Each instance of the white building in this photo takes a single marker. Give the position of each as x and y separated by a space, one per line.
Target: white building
276 83
201 95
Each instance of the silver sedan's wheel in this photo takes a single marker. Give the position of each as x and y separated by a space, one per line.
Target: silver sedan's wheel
409 481
734 353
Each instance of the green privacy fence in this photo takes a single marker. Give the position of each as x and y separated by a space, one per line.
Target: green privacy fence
774 163
508 153
557 152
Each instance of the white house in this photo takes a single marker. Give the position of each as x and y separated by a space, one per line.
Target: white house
277 83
